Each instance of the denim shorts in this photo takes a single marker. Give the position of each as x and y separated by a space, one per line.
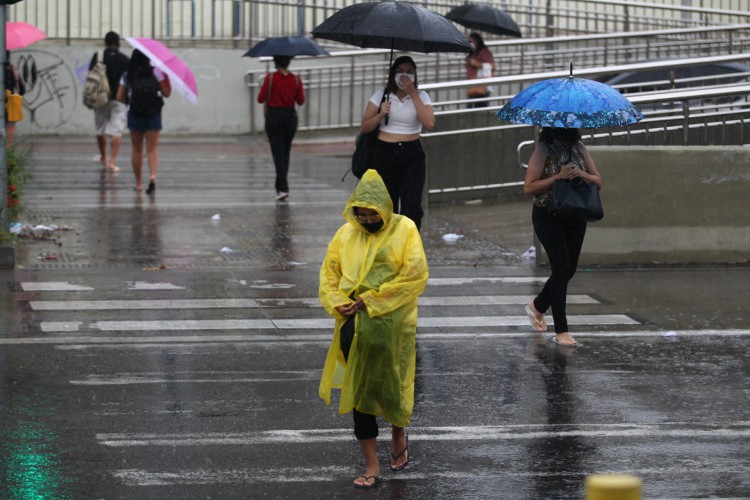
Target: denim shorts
144 123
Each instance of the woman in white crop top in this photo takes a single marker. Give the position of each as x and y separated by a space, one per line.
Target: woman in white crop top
398 156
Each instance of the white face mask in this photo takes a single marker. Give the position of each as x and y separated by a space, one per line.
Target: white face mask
407 75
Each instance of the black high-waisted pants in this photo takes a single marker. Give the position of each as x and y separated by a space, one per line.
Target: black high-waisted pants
281 125
562 240
403 169
365 425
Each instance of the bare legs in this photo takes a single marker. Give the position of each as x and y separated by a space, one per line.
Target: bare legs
370 451
151 138
399 457
115 142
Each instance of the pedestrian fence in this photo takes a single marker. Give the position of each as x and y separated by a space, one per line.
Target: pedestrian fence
470 152
240 23
338 86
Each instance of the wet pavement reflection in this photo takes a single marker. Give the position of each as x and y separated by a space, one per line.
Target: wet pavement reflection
145 362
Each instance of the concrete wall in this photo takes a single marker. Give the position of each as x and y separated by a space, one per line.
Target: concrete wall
672 204
55 76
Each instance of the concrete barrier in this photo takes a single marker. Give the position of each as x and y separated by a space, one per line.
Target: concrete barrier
670 205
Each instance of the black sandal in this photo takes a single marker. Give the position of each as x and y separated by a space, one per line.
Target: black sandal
396 468
151 187
366 485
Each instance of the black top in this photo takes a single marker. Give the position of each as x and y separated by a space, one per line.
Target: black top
116 63
12 80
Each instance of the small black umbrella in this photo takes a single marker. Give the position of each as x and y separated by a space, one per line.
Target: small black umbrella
484 17
393 25
287 46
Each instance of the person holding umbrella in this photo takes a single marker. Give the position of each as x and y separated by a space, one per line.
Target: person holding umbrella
144 87
479 64
398 155
559 154
279 93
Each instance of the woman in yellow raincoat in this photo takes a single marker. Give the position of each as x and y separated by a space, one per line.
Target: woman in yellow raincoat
374 270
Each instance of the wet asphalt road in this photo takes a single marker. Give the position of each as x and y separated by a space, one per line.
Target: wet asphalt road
139 360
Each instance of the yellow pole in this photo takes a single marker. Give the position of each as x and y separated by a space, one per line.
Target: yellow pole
613 487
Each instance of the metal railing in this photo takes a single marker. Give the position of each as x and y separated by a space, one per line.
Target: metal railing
338 87
243 22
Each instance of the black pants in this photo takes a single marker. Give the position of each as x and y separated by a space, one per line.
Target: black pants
403 169
281 125
562 240
365 425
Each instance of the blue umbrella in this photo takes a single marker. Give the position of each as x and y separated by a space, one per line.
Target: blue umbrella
570 103
287 46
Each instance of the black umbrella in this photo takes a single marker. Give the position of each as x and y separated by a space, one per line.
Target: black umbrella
393 25
287 46
484 17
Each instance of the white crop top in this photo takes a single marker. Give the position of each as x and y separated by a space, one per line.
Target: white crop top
403 116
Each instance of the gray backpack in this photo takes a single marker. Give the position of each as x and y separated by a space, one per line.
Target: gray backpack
96 91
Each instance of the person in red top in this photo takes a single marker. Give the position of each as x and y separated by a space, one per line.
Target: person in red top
280 91
479 64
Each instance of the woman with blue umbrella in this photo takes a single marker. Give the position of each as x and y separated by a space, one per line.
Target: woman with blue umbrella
561 106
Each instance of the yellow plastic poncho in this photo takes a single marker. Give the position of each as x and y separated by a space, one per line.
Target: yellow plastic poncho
388 269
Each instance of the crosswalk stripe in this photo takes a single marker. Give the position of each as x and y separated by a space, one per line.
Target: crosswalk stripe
315 323
102 305
54 286
433 434
78 342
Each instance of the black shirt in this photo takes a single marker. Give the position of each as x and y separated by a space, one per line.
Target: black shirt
116 63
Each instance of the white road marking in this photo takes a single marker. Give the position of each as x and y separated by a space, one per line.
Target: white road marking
79 342
103 305
483 280
320 323
144 285
53 286
484 433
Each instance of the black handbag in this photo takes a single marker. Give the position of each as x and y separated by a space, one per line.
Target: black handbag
576 200
364 145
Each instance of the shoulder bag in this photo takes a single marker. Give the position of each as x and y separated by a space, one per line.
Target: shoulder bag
575 199
268 96
364 144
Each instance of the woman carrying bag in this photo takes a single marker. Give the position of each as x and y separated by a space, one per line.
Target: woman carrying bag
559 154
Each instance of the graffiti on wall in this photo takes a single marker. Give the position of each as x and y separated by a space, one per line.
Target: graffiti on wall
51 87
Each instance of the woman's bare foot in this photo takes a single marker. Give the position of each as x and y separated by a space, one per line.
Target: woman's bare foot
399 449
113 168
536 318
564 339
368 479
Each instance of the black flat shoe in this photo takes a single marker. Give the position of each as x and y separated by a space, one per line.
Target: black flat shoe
151 187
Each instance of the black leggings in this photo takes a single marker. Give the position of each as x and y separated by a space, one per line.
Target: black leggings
365 425
562 240
403 169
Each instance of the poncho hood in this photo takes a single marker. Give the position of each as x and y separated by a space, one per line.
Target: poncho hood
370 193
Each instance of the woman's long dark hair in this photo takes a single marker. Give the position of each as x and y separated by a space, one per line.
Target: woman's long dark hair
478 40
138 67
569 135
391 86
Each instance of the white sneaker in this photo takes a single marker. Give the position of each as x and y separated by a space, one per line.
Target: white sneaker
281 195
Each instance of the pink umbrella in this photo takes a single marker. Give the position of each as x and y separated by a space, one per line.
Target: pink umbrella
19 35
180 75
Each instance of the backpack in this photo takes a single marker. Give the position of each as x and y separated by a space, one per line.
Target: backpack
96 91
145 95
